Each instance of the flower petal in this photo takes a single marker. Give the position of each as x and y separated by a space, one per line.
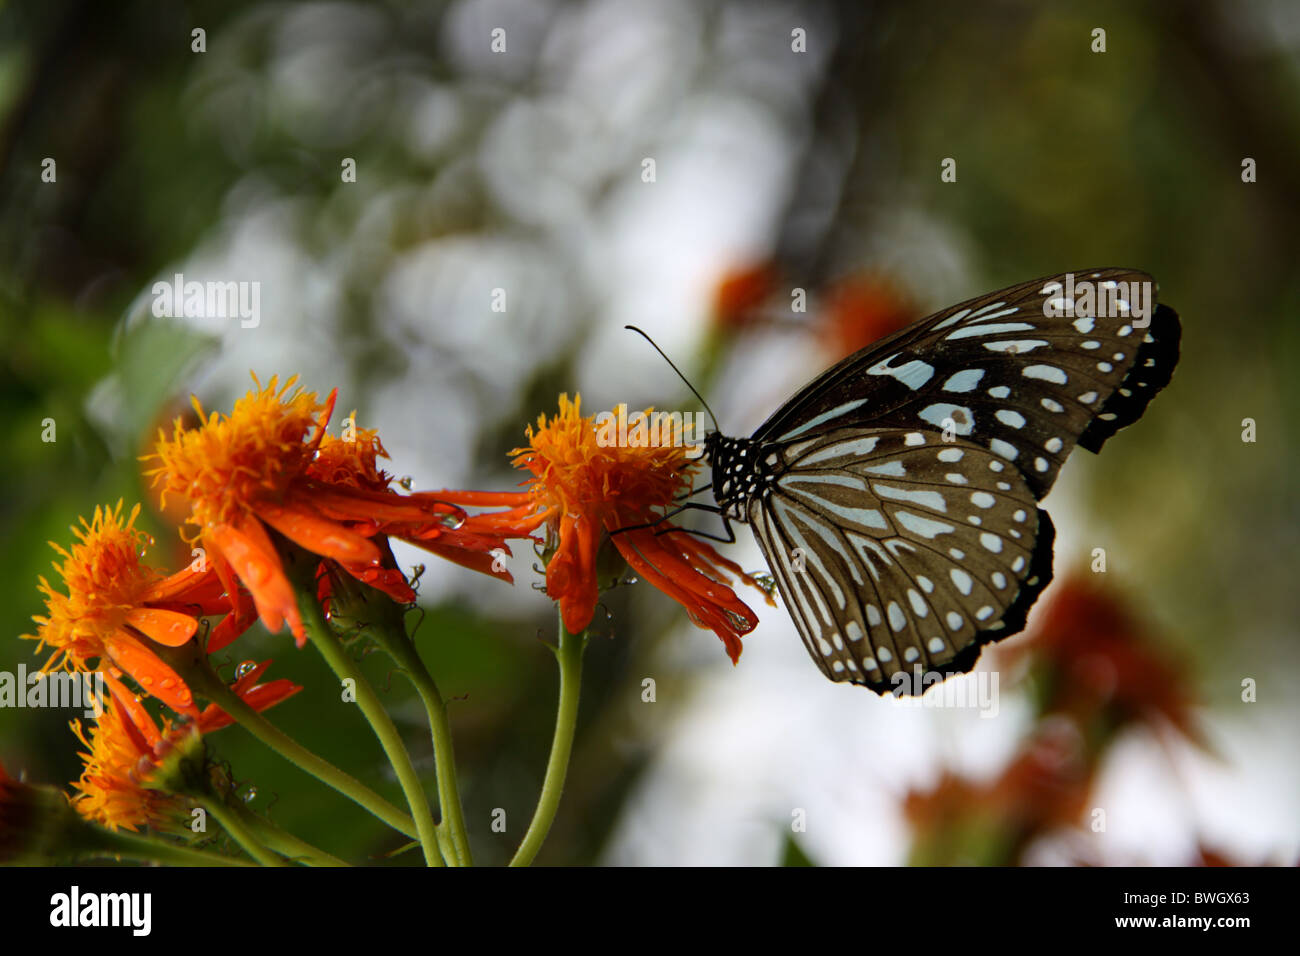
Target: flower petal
318 535
259 567
150 672
169 628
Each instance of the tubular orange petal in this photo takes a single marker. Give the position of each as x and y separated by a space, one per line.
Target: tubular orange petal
710 603
150 672
184 587
474 560
356 504
146 731
258 566
571 576
479 499
318 535
389 580
169 628
259 698
326 413
233 624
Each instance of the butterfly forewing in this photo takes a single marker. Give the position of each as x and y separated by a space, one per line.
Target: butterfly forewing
1001 372
895 495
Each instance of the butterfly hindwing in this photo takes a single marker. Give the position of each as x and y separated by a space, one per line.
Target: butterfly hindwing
884 549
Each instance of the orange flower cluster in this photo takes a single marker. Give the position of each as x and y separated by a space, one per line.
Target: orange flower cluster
266 482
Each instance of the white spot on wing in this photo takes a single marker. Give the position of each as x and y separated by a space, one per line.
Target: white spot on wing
1010 417
926 499
1005 449
920 525
972 331
1016 346
964 381
825 417
963 418
913 374
1047 373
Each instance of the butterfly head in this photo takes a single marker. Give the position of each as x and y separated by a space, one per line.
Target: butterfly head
740 472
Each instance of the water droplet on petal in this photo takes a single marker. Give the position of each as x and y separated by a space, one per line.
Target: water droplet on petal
406 481
454 520
245 668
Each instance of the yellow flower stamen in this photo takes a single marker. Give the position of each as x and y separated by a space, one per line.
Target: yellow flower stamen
105 581
228 463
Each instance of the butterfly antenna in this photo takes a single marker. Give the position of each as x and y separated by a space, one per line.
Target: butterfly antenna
679 373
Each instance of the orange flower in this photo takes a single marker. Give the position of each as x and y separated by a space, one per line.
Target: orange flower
126 748
116 606
258 696
740 293
253 470
582 490
860 310
960 821
468 541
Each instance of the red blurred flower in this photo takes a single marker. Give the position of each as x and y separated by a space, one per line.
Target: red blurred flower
859 310
740 294
1101 665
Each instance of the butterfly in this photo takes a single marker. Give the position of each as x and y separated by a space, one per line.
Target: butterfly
895 497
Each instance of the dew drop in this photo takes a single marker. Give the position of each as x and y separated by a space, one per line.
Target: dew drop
245 668
631 579
406 481
249 794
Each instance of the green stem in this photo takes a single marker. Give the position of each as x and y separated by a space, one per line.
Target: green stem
569 656
321 635
270 735
285 843
128 846
241 835
392 637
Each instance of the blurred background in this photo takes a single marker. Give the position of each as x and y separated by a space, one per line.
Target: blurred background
500 151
